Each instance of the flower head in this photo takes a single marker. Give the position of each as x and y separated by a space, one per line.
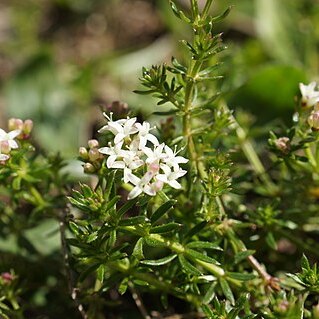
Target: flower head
146 164
309 95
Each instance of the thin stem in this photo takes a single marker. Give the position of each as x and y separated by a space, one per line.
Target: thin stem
253 158
69 276
206 8
139 302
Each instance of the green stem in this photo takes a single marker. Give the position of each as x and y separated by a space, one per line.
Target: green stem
311 157
253 158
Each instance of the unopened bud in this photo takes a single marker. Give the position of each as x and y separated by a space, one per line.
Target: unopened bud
5 147
15 124
283 144
94 154
27 126
83 153
88 168
93 143
313 120
7 277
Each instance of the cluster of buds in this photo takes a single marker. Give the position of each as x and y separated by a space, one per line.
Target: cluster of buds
6 277
25 127
310 99
18 129
146 168
91 156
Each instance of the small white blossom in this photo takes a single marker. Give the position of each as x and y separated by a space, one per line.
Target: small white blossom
154 155
9 137
144 134
169 177
172 160
115 152
309 95
313 120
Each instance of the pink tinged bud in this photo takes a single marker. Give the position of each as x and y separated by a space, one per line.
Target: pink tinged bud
83 153
5 147
283 144
93 144
313 120
154 168
15 124
94 154
7 277
88 168
158 185
27 126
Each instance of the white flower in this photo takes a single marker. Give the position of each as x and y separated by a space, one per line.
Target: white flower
144 134
9 137
309 95
121 128
169 177
141 185
114 153
172 160
154 155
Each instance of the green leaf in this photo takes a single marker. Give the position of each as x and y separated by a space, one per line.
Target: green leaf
138 249
93 236
127 206
123 286
137 220
187 267
242 255
305 263
241 276
270 240
227 290
203 245
208 312
196 229
197 255
100 273
159 262
110 204
74 228
163 209
165 228
221 16
89 270
210 293
86 190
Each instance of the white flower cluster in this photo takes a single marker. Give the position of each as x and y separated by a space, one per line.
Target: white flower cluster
310 98
146 168
7 142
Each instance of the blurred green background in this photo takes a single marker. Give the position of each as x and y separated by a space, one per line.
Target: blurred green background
61 60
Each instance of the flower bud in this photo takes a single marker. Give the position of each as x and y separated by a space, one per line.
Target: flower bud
7 277
27 127
5 147
15 124
88 168
313 120
93 143
283 144
94 154
83 153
